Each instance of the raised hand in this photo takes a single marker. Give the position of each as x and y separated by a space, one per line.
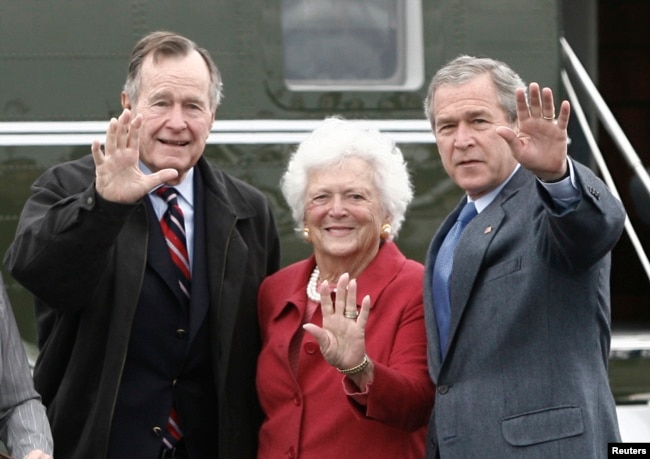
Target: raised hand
342 337
540 143
118 177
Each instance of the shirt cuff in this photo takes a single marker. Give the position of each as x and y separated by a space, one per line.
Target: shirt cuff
564 193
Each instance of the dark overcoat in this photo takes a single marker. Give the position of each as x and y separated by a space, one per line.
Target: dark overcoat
84 258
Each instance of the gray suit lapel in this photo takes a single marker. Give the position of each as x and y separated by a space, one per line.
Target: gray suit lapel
472 246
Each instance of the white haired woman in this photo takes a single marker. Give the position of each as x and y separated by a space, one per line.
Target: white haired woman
356 385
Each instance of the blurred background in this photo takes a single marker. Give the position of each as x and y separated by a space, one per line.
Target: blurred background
286 64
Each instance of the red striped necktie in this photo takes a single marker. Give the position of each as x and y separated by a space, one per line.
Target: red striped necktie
173 228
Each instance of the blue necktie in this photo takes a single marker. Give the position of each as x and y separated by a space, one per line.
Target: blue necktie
442 273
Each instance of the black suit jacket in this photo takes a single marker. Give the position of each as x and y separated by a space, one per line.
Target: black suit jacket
169 357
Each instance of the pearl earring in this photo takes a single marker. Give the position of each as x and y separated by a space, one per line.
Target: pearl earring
305 234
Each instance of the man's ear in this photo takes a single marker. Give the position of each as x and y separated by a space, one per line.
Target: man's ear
126 103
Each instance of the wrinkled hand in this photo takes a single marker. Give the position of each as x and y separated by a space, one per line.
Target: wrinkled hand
341 340
37 454
118 176
540 145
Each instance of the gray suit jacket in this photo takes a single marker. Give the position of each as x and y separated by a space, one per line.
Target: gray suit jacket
23 423
525 374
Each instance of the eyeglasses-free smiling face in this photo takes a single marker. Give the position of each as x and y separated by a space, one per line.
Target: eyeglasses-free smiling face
472 153
175 104
344 214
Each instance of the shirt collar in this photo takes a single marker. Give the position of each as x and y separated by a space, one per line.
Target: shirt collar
185 189
485 200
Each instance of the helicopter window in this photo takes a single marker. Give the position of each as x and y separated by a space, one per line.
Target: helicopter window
352 45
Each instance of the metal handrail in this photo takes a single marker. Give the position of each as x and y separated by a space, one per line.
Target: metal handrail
573 64
48 133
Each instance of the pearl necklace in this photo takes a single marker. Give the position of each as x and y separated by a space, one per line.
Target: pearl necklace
312 291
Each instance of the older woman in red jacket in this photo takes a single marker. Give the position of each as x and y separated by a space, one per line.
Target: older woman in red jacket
336 379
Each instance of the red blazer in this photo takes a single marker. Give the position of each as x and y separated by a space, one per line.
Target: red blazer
314 414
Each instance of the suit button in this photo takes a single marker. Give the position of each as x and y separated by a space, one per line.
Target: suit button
174 382
443 389
157 431
180 333
311 348
296 400
291 454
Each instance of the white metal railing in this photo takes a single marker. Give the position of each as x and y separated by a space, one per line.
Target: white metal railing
44 133
573 64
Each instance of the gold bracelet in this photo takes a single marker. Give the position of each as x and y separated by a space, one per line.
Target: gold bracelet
358 369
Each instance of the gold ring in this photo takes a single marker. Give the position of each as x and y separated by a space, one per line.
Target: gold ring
549 118
351 315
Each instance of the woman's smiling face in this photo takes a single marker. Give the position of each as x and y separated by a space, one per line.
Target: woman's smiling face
344 212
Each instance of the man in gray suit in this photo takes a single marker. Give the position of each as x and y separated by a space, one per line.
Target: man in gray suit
23 423
519 325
